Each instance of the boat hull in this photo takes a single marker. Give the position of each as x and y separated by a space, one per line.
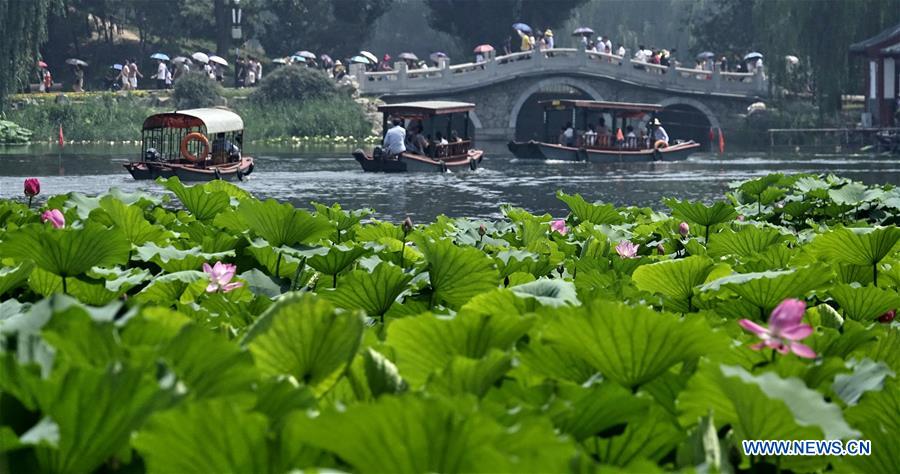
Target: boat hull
412 163
550 151
144 170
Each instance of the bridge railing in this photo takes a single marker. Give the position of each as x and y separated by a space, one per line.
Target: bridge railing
446 78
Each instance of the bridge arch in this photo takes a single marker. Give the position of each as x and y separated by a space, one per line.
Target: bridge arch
688 118
543 85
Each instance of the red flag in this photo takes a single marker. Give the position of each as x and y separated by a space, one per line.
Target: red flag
62 138
721 142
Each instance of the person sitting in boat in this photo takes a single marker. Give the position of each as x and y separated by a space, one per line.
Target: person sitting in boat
659 133
603 132
393 144
590 136
567 137
454 137
630 137
419 142
223 150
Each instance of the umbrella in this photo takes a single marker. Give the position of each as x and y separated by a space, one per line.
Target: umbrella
706 55
41 64
181 59
583 31
117 67
200 57
371 57
522 27
752 56
792 59
360 60
483 48
298 59
306 54
76 62
437 56
326 59
218 60
160 56
408 56
279 61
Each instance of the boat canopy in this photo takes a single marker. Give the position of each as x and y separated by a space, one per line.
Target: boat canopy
429 107
600 105
214 120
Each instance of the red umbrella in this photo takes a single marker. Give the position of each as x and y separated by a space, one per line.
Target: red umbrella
42 64
484 48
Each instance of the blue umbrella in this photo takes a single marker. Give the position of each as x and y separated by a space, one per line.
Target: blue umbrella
117 67
160 56
298 59
360 60
522 27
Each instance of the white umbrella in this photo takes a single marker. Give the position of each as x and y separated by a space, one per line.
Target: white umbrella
371 57
218 60
181 59
792 59
200 57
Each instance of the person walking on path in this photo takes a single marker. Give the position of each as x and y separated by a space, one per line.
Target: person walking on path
161 72
78 86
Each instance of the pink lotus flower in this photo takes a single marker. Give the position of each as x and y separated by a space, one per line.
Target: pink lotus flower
32 187
626 249
740 218
684 229
559 225
887 317
785 329
220 276
54 217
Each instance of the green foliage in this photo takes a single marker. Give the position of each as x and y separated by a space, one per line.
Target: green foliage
197 90
523 350
11 133
294 84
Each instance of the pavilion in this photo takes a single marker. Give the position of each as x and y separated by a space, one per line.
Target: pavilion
882 51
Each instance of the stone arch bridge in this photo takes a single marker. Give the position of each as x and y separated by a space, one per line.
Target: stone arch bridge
506 90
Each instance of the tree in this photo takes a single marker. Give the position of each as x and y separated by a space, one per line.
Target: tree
24 27
473 22
337 27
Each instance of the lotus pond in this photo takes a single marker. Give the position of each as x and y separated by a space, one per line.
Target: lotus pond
215 332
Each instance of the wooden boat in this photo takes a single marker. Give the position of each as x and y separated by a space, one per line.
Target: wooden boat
608 148
193 145
434 117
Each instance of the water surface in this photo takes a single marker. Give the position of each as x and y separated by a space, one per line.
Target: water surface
329 174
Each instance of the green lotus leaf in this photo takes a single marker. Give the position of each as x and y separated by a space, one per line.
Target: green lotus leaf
475 376
129 219
857 246
674 279
184 438
84 204
512 261
864 303
231 189
884 349
67 252
854 194
343 220
594 409
650 438
336 259
168 288
174 260
371 291
261 284
426 344
587 212
408 434
457 273
629 345
702 214
878 417
867 376
13 277
306 338
548 292
765 290
98 287
201 201
554 362
93 413
755 187
747 242
282 224
376 231
271 258
381 374
81 341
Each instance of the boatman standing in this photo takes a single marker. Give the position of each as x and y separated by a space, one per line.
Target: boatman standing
393 144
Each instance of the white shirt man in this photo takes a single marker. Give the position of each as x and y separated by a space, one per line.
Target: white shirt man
620 51
393 140
607 45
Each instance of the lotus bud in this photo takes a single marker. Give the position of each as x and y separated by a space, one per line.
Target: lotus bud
740 218
887 317
32 187
407 225
684 229
482 230
55 218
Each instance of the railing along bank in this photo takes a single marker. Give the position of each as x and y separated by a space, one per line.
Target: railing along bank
560 61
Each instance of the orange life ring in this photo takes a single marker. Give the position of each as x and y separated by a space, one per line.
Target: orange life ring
186 154
658 144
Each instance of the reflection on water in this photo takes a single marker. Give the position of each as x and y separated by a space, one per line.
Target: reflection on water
329 174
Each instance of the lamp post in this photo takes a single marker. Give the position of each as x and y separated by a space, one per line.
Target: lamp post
236 36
